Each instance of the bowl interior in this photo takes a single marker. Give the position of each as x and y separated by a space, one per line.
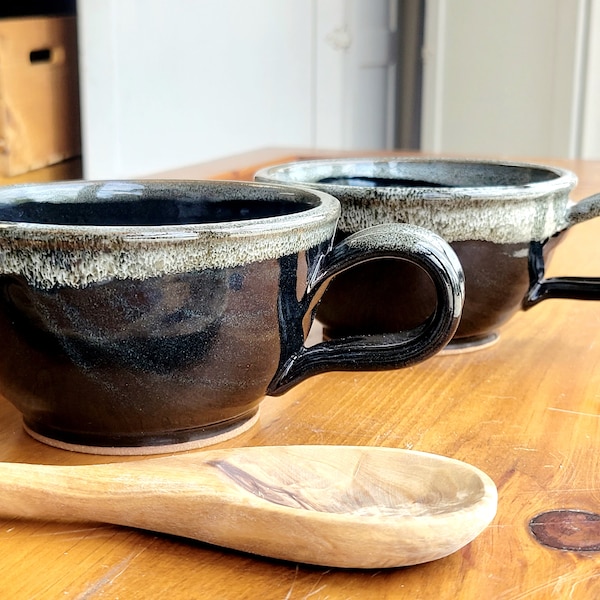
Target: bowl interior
149 204
422 173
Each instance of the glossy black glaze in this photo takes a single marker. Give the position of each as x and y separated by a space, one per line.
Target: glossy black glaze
379 182
542 288
503 220
127 362
152 211
153 342
496 281
378 350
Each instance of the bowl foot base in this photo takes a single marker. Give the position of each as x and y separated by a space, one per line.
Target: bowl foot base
470 344
193 441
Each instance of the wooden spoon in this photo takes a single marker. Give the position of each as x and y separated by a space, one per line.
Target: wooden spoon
342 506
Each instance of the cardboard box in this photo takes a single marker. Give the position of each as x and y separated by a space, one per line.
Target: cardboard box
39 93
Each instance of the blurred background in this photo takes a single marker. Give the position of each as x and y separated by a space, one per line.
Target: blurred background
161 84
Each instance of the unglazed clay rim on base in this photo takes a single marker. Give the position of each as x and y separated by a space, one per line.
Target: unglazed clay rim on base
463 346
202 442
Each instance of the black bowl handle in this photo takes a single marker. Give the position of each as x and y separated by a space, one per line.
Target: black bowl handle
576 288
391 350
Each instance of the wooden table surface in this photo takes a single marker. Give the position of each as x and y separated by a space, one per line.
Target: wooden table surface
526 411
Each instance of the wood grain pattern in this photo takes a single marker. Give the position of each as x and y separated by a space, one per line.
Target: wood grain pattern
344 506
526 411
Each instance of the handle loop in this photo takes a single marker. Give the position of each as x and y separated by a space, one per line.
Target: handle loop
395 349
575 288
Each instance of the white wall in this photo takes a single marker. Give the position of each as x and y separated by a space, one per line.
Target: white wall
167 83
356 49
505 77
590 126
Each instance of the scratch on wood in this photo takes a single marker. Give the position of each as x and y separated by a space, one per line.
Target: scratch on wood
87 532
289 594
315 592
557 585
359 463
110 576
572 490
574 412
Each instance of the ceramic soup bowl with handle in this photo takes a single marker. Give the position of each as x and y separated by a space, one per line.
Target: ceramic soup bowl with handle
146 316
503 219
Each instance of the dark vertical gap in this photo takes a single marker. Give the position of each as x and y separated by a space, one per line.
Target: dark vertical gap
409 81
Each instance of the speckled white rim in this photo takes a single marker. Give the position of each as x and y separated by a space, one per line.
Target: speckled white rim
485 201
76 255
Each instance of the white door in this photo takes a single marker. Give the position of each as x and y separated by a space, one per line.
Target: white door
167 83
505 77
356 55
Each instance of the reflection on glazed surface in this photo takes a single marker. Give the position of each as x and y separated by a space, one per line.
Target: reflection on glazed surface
496 281
143 313
198 353
491 213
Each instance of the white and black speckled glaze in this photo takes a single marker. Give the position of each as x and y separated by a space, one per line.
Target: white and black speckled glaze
502 219
142 314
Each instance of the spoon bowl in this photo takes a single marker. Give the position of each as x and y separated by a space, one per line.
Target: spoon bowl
338 506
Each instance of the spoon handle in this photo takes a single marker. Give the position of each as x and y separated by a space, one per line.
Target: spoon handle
159 494
235 499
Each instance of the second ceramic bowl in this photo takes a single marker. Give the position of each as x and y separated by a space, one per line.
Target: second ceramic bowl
503 220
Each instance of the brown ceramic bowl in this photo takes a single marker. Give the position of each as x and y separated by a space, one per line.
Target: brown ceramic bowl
147 316
501 218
